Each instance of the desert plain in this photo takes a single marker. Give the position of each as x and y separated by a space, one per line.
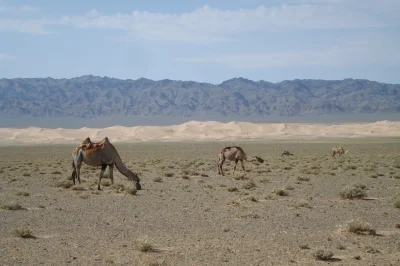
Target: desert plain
305 209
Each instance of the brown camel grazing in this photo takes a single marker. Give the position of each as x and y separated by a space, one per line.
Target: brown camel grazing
236 154
101 154
338 150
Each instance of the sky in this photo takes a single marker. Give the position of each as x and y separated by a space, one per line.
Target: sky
203 41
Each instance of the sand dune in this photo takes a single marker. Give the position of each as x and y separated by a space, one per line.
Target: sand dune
201 131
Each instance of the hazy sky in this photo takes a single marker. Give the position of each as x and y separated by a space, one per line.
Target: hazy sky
208 41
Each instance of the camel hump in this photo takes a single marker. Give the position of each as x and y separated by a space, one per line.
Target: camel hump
225 149
87 141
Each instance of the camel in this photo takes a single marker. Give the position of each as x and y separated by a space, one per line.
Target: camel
101 154
338 150
287 153
236 154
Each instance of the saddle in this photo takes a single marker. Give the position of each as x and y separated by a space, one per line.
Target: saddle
88 146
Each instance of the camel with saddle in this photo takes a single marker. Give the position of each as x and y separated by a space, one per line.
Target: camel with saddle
102 154
338 150
235 154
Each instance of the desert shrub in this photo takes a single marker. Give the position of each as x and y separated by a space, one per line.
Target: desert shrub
118 187
303 178
340 246
158 179
23 233
204 175
252 198
358 226
397 204
13 207
56 173
369 249
304 246
143 246
303 204
359 185
322 254
351 192
241 177
169 174
105 183
232 189
131 190
350 167
249 185
26 174
23 193
280 192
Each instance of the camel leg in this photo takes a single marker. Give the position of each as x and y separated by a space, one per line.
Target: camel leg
111 169
221 163
77 164
73 176
234 168
103 168
244 170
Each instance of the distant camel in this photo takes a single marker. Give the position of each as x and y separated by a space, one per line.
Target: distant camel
287 153
101 154
236 154
338 150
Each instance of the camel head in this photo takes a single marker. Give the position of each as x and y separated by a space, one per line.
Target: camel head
135 178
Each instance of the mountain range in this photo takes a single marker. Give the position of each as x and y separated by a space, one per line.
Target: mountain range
93 96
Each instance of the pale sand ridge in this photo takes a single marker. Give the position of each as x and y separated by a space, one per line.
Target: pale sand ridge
201 131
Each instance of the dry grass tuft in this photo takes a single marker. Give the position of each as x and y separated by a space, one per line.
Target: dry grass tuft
241 177
397 204
358 226
131 190
352 192
158 179
23 233
143 246
232 189
321 254
13 207
23 193
303 204
303 178
280 191
249 185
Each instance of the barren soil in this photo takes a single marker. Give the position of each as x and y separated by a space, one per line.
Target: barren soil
280 213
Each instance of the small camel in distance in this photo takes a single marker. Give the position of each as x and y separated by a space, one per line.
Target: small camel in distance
236 154
287 153
338 150
101 154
